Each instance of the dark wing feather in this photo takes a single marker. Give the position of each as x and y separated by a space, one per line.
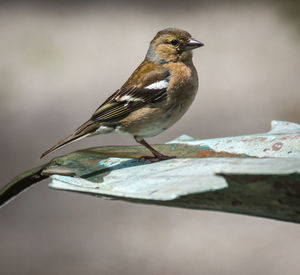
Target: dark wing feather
119 107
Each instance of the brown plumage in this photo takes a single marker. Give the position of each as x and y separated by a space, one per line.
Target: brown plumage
154 97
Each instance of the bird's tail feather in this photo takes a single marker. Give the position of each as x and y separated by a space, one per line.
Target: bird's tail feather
83 131
62 143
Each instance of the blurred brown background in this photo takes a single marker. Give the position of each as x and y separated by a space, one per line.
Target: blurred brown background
60 60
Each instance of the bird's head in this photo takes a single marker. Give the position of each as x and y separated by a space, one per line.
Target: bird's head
171 45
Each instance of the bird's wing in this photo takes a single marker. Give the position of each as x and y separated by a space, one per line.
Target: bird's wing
151 89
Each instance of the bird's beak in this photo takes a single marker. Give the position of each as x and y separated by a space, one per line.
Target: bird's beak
193 44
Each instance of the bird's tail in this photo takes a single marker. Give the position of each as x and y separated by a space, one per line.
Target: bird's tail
83 131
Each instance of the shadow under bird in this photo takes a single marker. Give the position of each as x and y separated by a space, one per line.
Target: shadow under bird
154 97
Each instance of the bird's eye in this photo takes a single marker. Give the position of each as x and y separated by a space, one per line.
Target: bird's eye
174 42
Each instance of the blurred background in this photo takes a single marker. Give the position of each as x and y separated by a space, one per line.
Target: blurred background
59 60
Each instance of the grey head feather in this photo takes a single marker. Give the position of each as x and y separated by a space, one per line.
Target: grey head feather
154 57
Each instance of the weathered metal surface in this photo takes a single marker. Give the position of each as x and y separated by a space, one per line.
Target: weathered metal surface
282 141
255 175
267 187
174 178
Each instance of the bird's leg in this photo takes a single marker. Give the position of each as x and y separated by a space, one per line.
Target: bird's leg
157 155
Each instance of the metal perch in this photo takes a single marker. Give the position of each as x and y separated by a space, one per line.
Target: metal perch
256 174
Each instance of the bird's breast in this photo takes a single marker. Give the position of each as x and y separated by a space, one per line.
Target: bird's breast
183 85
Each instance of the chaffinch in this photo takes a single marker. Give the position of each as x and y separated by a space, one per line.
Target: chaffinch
154 97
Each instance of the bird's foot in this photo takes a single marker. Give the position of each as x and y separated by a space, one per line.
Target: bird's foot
157 158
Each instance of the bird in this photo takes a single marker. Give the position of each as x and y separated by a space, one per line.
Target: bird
154 97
